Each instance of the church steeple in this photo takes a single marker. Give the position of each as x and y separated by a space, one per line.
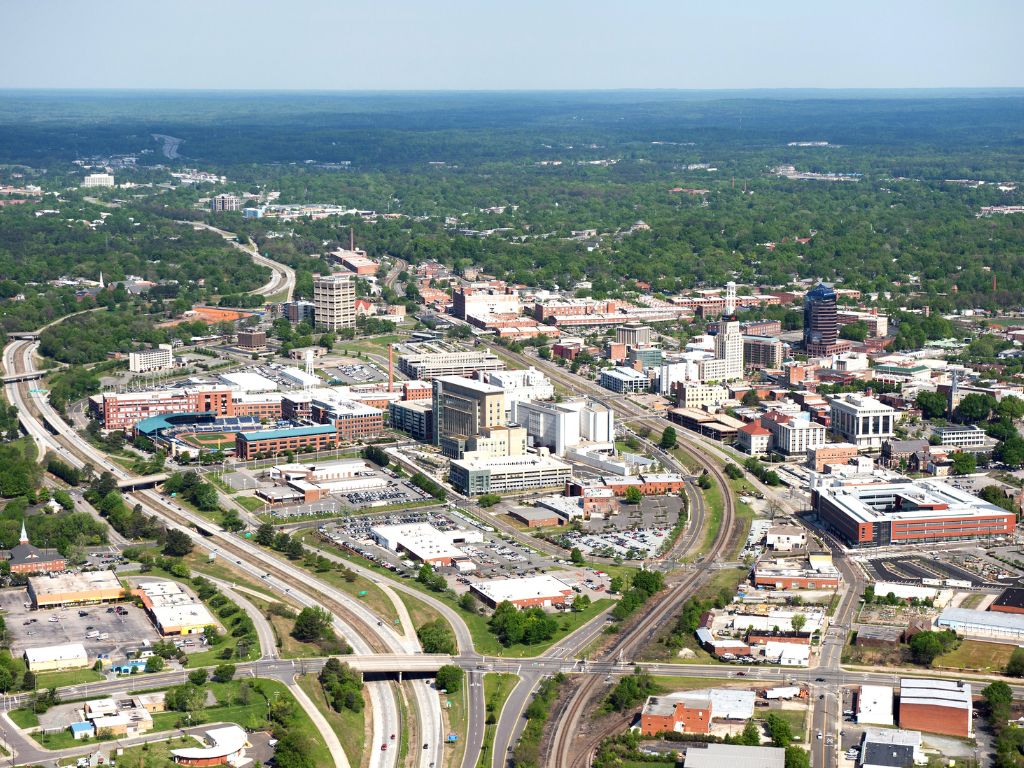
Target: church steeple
24 533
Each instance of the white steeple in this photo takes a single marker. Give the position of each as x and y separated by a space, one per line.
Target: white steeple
24 533
102 285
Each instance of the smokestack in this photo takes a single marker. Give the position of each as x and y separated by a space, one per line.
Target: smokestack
391 367
352 238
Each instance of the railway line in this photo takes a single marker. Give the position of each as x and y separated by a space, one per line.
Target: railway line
567 749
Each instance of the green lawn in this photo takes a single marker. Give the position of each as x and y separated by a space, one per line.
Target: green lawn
229 709
24 718
456 721
251 503
976 655
715 511
348 726
796 718
744 514
69 677
497 687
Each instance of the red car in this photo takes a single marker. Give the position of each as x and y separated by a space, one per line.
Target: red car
383 747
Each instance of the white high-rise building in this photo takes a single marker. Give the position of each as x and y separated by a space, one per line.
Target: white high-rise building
334 302
157 359
519 385
560 426
97 180
727 364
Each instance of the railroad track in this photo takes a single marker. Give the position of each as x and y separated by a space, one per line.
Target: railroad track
569 749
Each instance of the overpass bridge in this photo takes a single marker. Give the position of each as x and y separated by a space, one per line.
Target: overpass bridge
397 663
14 378
144 481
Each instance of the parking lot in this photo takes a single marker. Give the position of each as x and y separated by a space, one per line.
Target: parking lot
631 545
32 629
355 372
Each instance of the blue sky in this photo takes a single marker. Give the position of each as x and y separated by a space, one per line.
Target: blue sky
515 44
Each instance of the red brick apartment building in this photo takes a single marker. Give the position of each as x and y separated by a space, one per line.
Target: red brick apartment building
123 410
688 714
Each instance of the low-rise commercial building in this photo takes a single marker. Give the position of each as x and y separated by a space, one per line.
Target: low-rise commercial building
513 473
875 705
224 746
795 573
994 625
962 436
425 543
786 538
1011 600
733 756
624 380
830 453
754 439
74 588
936 706
876 510
891 748
56 657
173 610
543 590
793 434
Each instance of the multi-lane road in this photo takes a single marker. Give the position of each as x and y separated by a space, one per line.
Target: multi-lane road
282 280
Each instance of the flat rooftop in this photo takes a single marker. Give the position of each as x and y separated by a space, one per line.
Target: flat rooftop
60 583
873 502
528 587
935 693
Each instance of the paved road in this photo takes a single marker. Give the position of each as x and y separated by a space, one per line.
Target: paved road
282 276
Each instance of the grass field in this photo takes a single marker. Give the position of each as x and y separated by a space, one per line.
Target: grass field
70 677
212 440
497 687
976 655
24 718
251 503
349 726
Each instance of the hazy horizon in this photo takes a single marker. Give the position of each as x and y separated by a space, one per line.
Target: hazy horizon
456 45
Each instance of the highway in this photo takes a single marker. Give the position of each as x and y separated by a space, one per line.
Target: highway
282 276
357 625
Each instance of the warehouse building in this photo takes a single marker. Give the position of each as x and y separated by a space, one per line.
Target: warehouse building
514 473
542 590
74 589
902 511
56 657
425 543
936 706
1010 601
992 625
173 610
796 573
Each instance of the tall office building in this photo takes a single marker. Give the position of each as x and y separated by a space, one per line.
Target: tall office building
821 329
727 364
334 302
469 420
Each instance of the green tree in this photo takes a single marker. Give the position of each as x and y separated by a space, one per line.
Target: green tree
668 439
293 750
779 730
449 678
797 757
197 677
436 637
751 735
798 621
576 556
932 404
581 603
223 673
185 698
633 495
177 544
265 535
964 463
312 623
974 407
750 399
154 664
1015 665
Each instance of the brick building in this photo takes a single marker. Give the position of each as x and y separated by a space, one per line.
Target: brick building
936 706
